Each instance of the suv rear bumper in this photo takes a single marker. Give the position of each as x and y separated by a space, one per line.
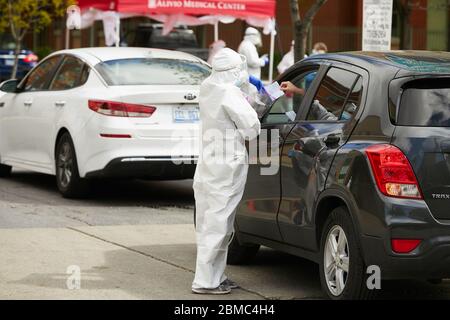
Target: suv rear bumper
431 260
163 168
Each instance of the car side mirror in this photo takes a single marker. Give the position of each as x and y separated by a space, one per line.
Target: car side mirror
10 86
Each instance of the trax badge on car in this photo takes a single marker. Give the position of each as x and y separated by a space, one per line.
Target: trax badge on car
441 196
190 96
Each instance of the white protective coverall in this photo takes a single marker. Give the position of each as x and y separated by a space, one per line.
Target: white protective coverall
247 48
215 47
227 120
287 61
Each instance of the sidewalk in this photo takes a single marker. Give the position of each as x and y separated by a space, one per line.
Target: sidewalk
134 262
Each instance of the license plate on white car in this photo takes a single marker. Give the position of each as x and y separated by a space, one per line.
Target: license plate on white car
186 114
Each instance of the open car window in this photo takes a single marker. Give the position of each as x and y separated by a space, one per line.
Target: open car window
285 109
338 96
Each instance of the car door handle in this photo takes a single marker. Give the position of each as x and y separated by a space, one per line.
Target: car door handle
28 103
332 140
60 103
2 104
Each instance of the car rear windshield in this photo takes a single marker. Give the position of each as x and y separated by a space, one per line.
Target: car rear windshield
144 71
425 103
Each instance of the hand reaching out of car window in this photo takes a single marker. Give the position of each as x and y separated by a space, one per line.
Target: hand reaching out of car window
290 89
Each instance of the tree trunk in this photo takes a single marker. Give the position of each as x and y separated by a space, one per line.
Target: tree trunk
302 26
16 58
301 36
406 34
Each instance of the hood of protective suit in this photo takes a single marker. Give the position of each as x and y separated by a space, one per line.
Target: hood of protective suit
215 47
254 36
229 67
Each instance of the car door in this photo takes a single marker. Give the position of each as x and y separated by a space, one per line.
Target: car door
259 206
310 147
62 92
17 120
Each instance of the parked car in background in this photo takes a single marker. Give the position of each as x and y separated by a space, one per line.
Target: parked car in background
27 59
180 38
364 177
103 112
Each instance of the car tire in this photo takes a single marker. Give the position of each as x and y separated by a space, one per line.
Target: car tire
339 224
5 171
239 253
68 180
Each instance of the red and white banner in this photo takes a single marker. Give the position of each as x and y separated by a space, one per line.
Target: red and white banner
235 8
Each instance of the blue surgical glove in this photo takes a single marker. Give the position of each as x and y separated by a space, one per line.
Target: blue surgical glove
256 82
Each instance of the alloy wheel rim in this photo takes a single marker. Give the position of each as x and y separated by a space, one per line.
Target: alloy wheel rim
336 260
65 165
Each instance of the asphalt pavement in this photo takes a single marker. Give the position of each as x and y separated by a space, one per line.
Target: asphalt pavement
134 240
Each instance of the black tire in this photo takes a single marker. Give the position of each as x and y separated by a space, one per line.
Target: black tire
239 254
355 287
65 158
5 171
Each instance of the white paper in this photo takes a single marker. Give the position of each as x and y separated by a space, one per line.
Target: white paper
274 91
377 25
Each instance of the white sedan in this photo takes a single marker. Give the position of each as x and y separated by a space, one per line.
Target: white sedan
103 112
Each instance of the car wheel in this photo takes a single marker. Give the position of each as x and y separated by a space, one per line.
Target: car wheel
67 176
239 254
5 171
342 270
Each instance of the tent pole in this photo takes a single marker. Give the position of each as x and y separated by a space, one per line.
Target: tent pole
117 30
216 31
272 53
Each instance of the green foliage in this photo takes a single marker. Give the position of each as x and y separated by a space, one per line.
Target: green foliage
22 15
42 52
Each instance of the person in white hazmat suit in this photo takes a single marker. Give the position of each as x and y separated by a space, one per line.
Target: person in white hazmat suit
247 48
227 120
287 61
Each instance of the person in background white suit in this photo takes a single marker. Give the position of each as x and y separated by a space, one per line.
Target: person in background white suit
215 47
287 61
227 121
248 48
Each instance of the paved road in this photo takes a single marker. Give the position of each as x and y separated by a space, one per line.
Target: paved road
133 240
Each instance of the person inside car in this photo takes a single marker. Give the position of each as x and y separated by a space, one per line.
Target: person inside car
317 110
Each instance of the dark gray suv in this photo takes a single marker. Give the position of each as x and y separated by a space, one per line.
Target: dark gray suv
364 176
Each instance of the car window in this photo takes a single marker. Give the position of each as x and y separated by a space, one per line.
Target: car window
328 104
425 103
69 74
38 78
286 107
353 102
153 71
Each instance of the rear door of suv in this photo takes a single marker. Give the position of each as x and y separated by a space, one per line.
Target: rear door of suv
422 119
321 129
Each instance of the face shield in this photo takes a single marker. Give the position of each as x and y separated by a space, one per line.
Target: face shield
240 72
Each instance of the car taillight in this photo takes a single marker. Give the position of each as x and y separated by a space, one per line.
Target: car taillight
404 245
30 58
393 172
121 109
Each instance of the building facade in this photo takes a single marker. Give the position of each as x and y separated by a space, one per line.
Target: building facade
338 24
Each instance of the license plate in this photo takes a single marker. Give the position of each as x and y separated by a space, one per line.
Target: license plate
186 114
9 62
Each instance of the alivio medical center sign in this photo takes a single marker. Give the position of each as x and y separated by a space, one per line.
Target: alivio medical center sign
211 7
